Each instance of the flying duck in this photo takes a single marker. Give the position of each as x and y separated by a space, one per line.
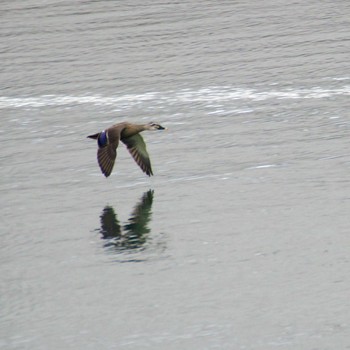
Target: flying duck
129 134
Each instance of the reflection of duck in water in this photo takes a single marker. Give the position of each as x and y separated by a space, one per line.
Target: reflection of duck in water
129 134
133 234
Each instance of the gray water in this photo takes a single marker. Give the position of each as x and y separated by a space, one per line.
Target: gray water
240 240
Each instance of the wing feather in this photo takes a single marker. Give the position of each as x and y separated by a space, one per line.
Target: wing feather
106 158
137 148
107 151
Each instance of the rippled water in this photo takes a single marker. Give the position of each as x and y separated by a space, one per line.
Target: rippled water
240 239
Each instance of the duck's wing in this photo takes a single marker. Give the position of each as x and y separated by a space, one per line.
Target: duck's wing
106 158
107 151
137 149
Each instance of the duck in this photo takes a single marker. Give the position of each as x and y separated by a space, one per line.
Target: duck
129 134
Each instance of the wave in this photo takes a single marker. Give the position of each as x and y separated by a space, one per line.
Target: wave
215 94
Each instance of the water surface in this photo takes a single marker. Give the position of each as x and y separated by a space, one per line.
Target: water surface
240 239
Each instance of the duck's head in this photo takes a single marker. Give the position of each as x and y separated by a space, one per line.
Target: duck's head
155 126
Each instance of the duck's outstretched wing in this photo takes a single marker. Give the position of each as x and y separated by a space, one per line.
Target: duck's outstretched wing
137 149
106 158
107 142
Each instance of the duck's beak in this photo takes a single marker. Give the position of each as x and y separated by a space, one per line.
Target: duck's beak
162 128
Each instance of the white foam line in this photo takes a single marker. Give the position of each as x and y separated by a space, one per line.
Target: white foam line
263 166
211 95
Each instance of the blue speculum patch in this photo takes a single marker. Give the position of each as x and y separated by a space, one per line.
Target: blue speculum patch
102 139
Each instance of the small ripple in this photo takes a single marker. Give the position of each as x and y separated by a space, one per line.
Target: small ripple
265 166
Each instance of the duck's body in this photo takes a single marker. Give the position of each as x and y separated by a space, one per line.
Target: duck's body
129 134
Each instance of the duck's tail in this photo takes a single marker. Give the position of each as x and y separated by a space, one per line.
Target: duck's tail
102 138
94 136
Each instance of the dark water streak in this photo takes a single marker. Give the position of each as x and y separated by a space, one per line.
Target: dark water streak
132 235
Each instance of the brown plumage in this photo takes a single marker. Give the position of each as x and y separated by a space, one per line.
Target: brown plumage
129 134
